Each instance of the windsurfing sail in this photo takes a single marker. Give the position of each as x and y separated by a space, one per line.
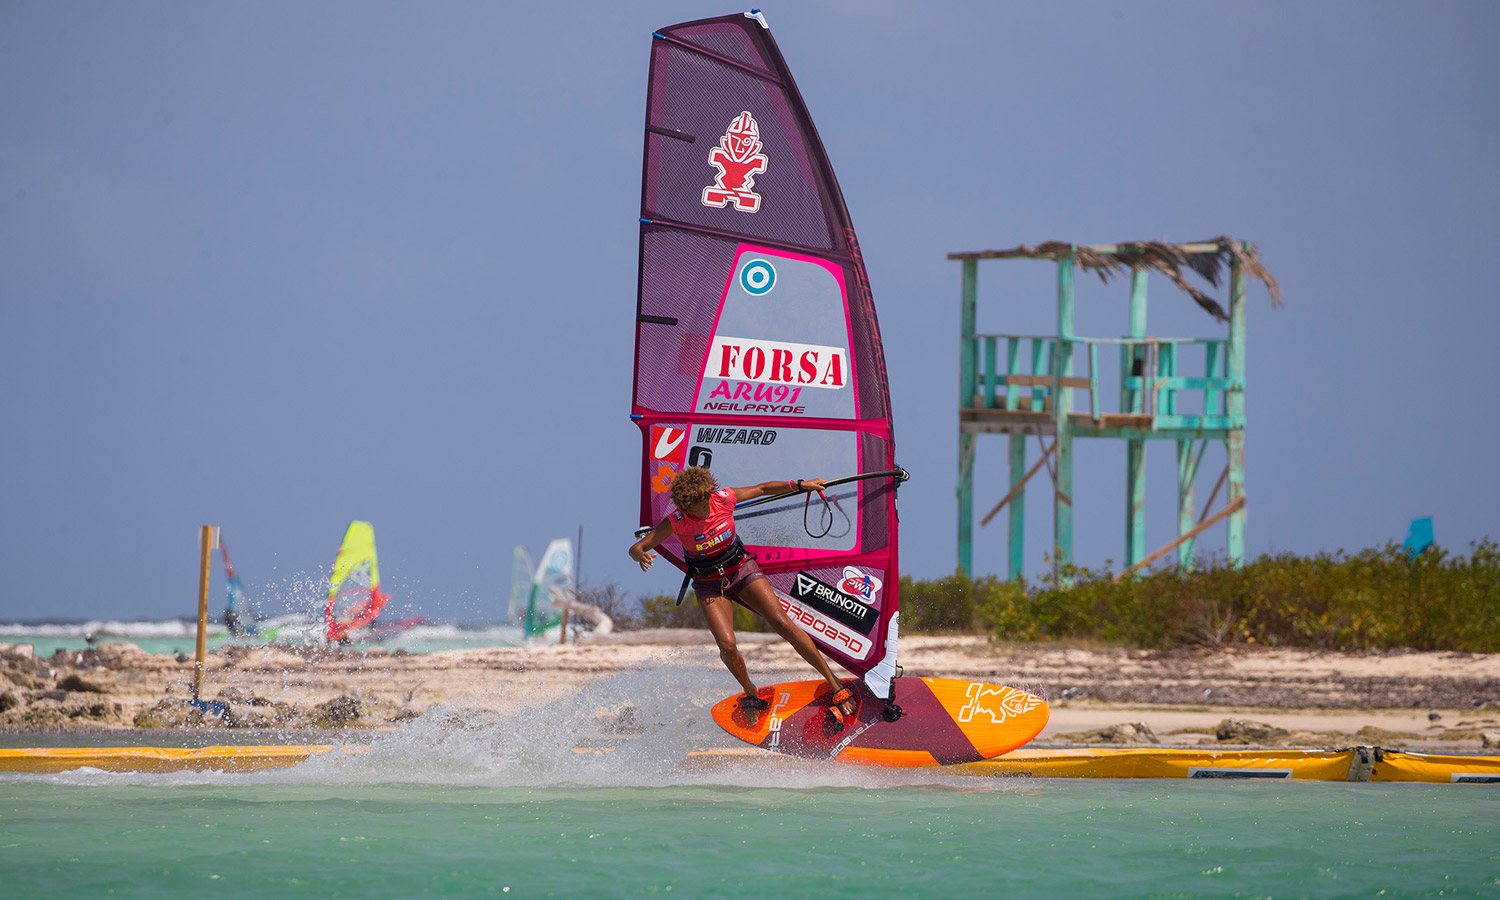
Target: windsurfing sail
532 605
757 349
1419 537
239 616
354 598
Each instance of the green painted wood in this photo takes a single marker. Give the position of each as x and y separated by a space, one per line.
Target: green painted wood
1062 405
1012 359
1154 384
966 502
1132 400
968 354
1234 406
990 375
1094 380
1198 423
1212 376
1181 383
1083 430
1041 364
1015 556
1185 504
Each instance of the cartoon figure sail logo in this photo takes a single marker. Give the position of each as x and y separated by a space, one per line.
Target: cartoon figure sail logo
739 160
999 703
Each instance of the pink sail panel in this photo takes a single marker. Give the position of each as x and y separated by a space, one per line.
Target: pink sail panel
758 354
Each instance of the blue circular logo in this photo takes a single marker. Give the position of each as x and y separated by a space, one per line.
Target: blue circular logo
758 277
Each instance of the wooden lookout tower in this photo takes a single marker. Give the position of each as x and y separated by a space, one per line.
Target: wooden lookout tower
1022 385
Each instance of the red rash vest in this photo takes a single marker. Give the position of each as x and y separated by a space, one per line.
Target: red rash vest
704 539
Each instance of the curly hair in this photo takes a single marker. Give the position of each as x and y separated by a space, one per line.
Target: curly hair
692 486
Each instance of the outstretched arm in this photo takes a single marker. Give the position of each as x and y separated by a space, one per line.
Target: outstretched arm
640 551
771 488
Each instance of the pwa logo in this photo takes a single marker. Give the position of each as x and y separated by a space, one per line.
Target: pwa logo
999 703
739 160
859 583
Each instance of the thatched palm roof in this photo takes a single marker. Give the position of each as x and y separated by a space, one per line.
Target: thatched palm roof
1207 258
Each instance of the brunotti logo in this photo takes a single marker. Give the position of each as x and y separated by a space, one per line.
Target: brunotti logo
834 603
739 160
999 703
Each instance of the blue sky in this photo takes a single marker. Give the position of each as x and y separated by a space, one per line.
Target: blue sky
278 266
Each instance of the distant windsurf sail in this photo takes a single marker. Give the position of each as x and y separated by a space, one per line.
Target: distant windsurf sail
757 349
239 616
354 598
1419 536
532 605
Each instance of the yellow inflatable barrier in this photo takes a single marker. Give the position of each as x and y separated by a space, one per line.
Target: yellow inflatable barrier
1396 765
1329 765
155 759
1357 764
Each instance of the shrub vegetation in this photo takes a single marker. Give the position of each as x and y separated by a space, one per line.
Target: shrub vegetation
1380 598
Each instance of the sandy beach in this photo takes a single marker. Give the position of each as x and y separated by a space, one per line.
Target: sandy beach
1287 698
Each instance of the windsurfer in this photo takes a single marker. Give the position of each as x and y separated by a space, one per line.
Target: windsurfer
722 572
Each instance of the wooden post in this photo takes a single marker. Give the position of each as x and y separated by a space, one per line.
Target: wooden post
1134 402
968 353
1198 529
1186 518
206 542
1015 558
1062 407
1234 405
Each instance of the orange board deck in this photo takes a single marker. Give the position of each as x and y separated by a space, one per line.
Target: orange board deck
944 721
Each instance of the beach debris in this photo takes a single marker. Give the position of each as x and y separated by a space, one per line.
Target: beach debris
1489 739
1242 731
1074 693
55 710
1433 715
1123 733
77 683
336 713
18 651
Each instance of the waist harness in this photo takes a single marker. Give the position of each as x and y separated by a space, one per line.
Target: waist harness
713 567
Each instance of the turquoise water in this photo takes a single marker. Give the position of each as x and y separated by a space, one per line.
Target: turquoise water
1033 839
463 803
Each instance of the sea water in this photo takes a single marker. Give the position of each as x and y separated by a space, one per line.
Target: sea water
169 636
596 795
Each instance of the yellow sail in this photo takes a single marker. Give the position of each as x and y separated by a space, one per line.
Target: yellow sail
354 598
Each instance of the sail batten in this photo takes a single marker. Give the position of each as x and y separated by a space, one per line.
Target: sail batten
757 350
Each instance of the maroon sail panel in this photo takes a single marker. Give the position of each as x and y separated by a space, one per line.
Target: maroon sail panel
758 353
